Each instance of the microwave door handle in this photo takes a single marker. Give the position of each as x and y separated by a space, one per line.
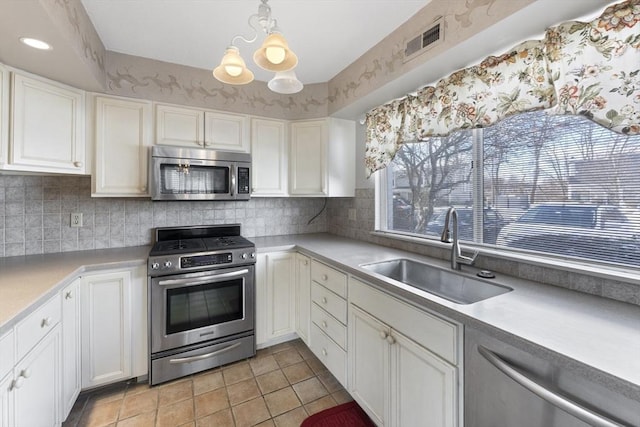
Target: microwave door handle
233 180
202 280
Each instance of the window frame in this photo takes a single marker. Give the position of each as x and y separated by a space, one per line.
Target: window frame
595 267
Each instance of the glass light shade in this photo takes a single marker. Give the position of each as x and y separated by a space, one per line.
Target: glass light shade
275 55
285 82
232 69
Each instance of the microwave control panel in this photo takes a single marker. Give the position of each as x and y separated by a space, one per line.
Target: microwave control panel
244 181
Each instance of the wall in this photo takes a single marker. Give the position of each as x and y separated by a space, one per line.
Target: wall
364 203
35 216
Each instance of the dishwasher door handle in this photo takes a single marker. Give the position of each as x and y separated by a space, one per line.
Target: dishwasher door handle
567 405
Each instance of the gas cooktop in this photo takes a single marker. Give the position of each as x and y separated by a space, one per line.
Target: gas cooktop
182 249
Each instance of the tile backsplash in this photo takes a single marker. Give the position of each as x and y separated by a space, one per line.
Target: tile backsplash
35 216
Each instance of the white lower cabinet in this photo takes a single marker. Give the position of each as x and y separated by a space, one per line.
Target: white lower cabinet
275 297
395 373
113 330
70 346
6 401
36 384
303 297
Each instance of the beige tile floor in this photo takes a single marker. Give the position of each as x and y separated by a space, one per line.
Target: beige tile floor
280 386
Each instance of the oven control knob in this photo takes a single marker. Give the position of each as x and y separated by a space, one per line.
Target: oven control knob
155 266
253 254
167 264
243 256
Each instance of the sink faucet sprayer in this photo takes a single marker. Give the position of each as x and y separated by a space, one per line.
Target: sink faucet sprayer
452 237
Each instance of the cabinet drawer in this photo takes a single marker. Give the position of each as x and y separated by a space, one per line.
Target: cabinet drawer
438 335
329 325
38 324
330 354
6 353
332 303
329 277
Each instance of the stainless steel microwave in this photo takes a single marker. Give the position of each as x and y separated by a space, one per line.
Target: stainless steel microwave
177 173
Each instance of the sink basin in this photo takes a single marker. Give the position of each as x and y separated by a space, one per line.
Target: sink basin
443 283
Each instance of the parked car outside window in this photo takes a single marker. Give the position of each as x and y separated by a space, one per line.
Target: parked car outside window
493 222
591 231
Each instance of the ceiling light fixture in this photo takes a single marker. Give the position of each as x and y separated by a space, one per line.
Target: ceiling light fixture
273 55
35 43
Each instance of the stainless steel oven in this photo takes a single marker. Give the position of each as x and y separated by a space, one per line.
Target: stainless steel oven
201 300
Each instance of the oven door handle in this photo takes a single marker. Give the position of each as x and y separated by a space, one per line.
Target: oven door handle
204 356
202 280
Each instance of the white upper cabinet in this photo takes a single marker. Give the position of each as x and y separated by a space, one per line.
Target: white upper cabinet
47 127
193 127
179 126
223 131
269 157
322 158
308 158
122 140
4 114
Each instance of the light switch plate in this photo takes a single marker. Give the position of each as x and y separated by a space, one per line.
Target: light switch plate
352 214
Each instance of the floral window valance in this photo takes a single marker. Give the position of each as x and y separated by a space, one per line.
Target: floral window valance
591 69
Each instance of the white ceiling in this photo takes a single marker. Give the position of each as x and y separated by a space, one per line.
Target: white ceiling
327 35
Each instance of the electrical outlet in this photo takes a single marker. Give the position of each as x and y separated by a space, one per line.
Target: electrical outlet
352 214
76 219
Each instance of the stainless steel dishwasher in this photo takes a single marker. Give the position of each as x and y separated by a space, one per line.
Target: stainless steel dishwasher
508 387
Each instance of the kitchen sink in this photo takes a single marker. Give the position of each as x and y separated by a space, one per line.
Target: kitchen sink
443 283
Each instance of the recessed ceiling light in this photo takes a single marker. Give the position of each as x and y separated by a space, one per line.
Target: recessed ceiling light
35 43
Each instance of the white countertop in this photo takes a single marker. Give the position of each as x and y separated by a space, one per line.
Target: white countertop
596 333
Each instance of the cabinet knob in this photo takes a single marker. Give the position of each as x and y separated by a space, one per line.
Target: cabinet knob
324 277
305 262
391 340
68 295
17 383
26 373
143 189
324 351
324 324
383 335
77 164
46 322
324 300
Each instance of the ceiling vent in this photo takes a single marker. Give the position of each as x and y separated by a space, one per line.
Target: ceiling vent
424 40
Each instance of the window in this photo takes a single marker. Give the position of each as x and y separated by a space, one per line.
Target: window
557 185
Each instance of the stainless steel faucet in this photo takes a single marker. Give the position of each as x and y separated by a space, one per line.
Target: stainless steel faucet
451 236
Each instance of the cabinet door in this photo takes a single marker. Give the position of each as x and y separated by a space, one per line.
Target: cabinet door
6 401
307 158
225 131
179 126
268 158
303 297
4 115
423 386
70 347
47 127
36 388
368 361
122 141
106 328
275 297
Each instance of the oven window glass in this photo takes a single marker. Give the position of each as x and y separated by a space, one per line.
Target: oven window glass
198 306
191 179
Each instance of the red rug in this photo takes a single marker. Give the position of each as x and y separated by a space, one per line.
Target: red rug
347 414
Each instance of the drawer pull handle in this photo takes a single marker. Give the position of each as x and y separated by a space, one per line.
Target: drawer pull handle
324 352
383 335
68 295
391 340
46 322
324 277
324 324
324 300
